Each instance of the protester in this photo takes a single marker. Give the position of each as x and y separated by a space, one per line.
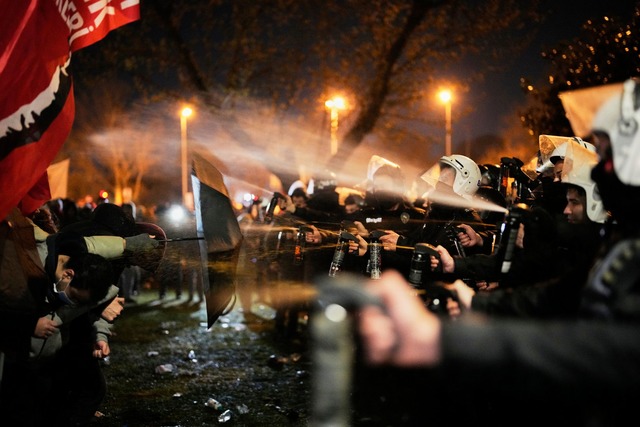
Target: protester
58 302
79 278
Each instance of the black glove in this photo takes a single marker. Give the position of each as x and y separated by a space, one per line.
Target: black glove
140 243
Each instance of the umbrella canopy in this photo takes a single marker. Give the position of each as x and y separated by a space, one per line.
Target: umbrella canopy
220 248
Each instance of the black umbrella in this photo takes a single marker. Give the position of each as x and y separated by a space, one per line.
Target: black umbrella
220 248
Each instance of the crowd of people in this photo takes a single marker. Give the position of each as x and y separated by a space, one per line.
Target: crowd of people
298 238
515 287
505 294
58 302
562 349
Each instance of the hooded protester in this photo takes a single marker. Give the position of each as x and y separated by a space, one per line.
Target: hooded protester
56 290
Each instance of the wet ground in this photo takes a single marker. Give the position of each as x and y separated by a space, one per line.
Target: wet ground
168 369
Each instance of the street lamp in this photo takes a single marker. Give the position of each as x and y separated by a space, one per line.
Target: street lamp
446 97
184 114
334 105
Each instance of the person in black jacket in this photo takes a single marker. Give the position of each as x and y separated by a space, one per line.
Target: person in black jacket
549 275
576 371
386 212
59 299
448 220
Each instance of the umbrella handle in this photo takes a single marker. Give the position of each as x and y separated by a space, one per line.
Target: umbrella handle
181 239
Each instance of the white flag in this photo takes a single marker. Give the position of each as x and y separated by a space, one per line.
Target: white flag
58 174
582 104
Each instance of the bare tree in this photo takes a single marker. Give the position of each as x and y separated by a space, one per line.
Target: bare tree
110 149
606 51
289 56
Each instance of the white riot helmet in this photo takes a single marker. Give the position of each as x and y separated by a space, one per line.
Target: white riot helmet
326 181
468 176
560 152
578 163
552 148
379 164
376 162
547 145
619 118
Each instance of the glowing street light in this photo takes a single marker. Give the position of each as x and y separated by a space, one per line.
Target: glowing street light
446 97
185 113
334 105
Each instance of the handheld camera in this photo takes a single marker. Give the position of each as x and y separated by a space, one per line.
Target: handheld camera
508 236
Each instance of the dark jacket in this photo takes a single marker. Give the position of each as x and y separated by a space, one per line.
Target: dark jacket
550 292
532 368
23 284
404 220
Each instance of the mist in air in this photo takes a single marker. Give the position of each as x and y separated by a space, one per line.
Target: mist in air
256 150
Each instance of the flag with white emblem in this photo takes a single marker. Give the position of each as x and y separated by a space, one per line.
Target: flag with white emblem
37 38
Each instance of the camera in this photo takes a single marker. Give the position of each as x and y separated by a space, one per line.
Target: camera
515 184
508 236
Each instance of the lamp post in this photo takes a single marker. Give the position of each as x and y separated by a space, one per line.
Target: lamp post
446 97
185 113
334 105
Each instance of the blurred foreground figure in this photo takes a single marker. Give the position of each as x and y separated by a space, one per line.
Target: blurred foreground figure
579 371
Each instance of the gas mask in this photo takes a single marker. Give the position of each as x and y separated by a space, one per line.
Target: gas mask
61 295
64 299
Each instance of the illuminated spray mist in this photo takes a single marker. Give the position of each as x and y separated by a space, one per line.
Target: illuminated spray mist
253 147
471 203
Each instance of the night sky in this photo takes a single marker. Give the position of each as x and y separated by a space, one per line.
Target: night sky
496 101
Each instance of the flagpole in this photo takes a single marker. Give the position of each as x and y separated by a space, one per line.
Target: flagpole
184 114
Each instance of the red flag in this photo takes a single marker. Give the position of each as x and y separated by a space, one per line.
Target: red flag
92 20
37 108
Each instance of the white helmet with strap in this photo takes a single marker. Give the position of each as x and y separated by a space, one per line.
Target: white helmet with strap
468 176
560 152
552 148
